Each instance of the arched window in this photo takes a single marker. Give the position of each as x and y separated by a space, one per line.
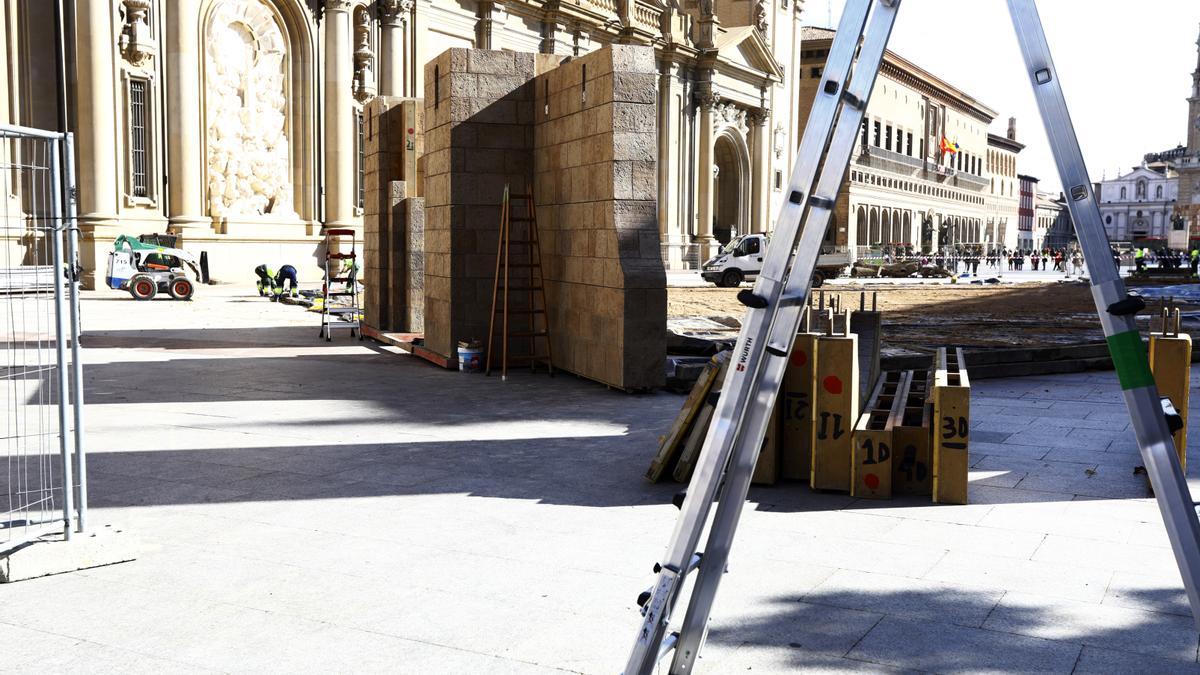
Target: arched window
1158 192
1124 194
1141 189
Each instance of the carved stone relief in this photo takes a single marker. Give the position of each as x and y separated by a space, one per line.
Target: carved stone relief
137 39
364 57
245 86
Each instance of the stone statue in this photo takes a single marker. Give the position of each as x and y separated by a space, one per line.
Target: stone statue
245 84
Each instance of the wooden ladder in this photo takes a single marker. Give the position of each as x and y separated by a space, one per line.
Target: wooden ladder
510 283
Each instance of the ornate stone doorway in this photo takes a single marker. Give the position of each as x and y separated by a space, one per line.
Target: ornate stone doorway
731 188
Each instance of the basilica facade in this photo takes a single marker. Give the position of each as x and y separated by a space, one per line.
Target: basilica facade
238 123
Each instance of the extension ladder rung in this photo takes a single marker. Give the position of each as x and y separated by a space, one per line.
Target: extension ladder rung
520 195
519 288
340 232
530 333
522 219
522 266
340 293
522 311
340 256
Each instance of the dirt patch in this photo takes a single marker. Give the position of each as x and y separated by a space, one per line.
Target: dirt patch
919 317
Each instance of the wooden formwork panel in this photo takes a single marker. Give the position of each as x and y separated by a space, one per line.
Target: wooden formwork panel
835 409
1171 362
952 420
871 470
795 408
766 470
912 456
697 398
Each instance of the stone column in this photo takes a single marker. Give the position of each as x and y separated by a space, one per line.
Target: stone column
339 117
669 221
186 164
705 103
760 170
98 168
393 60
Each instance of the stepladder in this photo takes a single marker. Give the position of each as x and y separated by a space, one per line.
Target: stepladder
519 326
675 613
340 306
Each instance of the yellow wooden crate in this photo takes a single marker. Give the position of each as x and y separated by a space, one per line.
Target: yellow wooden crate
871 470
796 409
912 456
835 410
952 420
1171 362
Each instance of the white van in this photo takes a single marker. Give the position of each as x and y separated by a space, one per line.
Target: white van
742 259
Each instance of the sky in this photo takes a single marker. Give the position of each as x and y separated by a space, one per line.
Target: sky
1126 70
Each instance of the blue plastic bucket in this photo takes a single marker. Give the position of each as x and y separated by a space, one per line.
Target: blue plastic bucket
470 359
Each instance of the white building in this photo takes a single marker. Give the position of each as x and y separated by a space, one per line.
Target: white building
1137 207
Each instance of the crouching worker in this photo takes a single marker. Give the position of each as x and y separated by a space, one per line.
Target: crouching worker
286 282
266 280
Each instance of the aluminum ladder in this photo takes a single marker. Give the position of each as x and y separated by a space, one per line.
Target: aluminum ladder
340 309
773 314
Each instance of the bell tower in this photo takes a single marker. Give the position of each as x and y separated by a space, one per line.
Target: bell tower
1188 205
1194 109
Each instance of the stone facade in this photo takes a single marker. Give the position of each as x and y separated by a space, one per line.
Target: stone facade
900 179
1138 207
236 123
584 134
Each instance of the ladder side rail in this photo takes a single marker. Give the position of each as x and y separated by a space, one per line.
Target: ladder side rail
495 287
726 418
535 250
1125 345
782 334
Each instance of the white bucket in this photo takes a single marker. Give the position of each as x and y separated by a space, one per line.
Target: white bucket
470 359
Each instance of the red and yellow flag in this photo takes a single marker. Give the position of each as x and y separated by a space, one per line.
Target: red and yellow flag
948 146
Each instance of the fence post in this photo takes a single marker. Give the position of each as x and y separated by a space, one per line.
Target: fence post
71 224
60 320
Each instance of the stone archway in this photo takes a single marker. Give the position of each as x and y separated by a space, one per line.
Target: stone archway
731 187
257 112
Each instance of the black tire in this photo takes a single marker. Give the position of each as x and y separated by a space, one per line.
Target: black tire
731 279
142 287
818 279
181 288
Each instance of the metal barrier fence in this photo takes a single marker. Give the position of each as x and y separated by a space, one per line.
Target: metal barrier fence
42 461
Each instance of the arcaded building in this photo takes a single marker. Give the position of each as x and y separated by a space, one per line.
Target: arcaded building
902 189
238 123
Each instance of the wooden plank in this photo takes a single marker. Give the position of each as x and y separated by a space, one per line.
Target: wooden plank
669 448
952 416
766 470
835 409
796 410
1171 363
692 444
913 459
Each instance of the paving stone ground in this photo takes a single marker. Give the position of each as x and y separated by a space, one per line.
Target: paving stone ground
313 507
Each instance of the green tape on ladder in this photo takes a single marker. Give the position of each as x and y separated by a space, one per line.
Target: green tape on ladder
1129 358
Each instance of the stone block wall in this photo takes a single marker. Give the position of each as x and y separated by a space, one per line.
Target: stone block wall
479 137
584 132
595 186
391 142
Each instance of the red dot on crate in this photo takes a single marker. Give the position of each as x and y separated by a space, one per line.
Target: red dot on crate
872 481
799 358
832 384
410 130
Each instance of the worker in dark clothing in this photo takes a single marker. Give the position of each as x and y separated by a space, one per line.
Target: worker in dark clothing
286 282
266 280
